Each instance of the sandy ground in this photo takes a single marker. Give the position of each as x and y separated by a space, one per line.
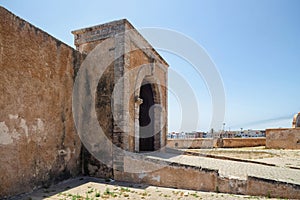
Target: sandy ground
87 188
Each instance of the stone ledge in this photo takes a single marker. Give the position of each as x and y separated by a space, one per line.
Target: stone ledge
288 138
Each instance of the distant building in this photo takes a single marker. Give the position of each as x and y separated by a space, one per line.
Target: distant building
217 134
251 133
187 135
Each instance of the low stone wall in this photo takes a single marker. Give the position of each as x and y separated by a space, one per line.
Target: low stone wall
166 174
195 143
257 186
202 143
272 188
243 142
288 138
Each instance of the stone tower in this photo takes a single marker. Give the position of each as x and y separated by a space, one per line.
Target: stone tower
131 94
296 121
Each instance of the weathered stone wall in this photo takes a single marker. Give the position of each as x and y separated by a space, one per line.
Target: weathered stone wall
199 143
288 138
101 90
242 142
196 143
271 188
38 141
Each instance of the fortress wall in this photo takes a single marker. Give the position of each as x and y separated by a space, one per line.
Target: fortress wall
38 140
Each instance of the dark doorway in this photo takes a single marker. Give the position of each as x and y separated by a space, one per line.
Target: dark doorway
146 119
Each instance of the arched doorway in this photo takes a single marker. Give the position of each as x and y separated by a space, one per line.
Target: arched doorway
146 119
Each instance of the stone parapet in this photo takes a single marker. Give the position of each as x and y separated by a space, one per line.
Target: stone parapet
204 143
287 138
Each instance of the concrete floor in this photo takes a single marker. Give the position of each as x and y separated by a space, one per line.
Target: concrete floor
280 171
277 157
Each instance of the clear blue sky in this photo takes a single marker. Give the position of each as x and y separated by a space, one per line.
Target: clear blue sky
255 45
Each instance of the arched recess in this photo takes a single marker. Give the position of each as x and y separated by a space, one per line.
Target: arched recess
148 133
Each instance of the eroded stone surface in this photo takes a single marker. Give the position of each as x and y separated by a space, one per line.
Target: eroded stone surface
38 141
283 138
